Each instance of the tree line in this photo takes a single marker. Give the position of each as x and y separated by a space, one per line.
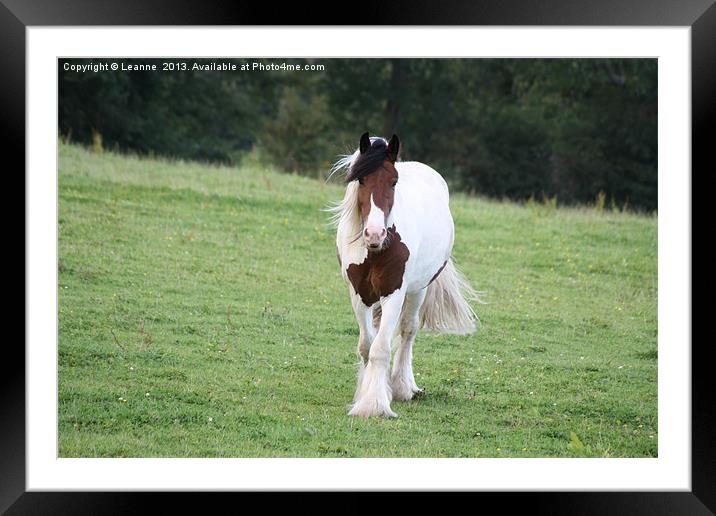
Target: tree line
568 129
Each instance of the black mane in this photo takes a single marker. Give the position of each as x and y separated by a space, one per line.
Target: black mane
369 161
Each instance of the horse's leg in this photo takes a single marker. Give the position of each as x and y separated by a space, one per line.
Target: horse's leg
364 316
402 380
373 396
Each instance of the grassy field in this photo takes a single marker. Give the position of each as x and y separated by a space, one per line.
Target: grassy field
202 314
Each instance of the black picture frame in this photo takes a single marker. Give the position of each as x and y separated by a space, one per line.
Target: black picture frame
17 15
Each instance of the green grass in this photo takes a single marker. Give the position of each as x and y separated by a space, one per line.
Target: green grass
202 314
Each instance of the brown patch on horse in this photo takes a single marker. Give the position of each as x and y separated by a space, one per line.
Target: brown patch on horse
437 273
381 273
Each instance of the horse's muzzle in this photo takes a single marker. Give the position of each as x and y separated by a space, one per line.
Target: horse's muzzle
374 238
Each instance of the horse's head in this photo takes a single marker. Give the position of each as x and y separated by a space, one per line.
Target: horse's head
374 169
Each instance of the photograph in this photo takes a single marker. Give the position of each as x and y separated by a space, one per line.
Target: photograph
346 257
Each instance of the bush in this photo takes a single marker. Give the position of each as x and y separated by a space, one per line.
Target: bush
295 139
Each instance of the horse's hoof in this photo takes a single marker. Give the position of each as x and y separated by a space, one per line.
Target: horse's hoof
368 410
403 391
399 395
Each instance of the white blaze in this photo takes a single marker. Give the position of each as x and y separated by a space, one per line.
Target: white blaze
375 223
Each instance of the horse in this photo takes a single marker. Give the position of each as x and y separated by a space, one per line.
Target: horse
394 239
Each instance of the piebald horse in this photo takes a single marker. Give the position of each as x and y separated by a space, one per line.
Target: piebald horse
394 240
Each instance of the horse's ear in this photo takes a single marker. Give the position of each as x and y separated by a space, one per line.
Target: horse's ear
364 143
393 148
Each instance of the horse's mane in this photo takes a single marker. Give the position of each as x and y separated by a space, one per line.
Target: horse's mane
368 161
359 165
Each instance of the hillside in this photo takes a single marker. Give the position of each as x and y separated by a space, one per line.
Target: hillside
202 313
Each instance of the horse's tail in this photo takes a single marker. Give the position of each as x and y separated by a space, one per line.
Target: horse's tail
446 308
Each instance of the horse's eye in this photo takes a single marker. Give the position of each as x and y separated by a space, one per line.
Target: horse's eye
360 181
393 185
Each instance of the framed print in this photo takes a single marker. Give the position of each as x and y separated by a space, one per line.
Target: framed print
188 327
